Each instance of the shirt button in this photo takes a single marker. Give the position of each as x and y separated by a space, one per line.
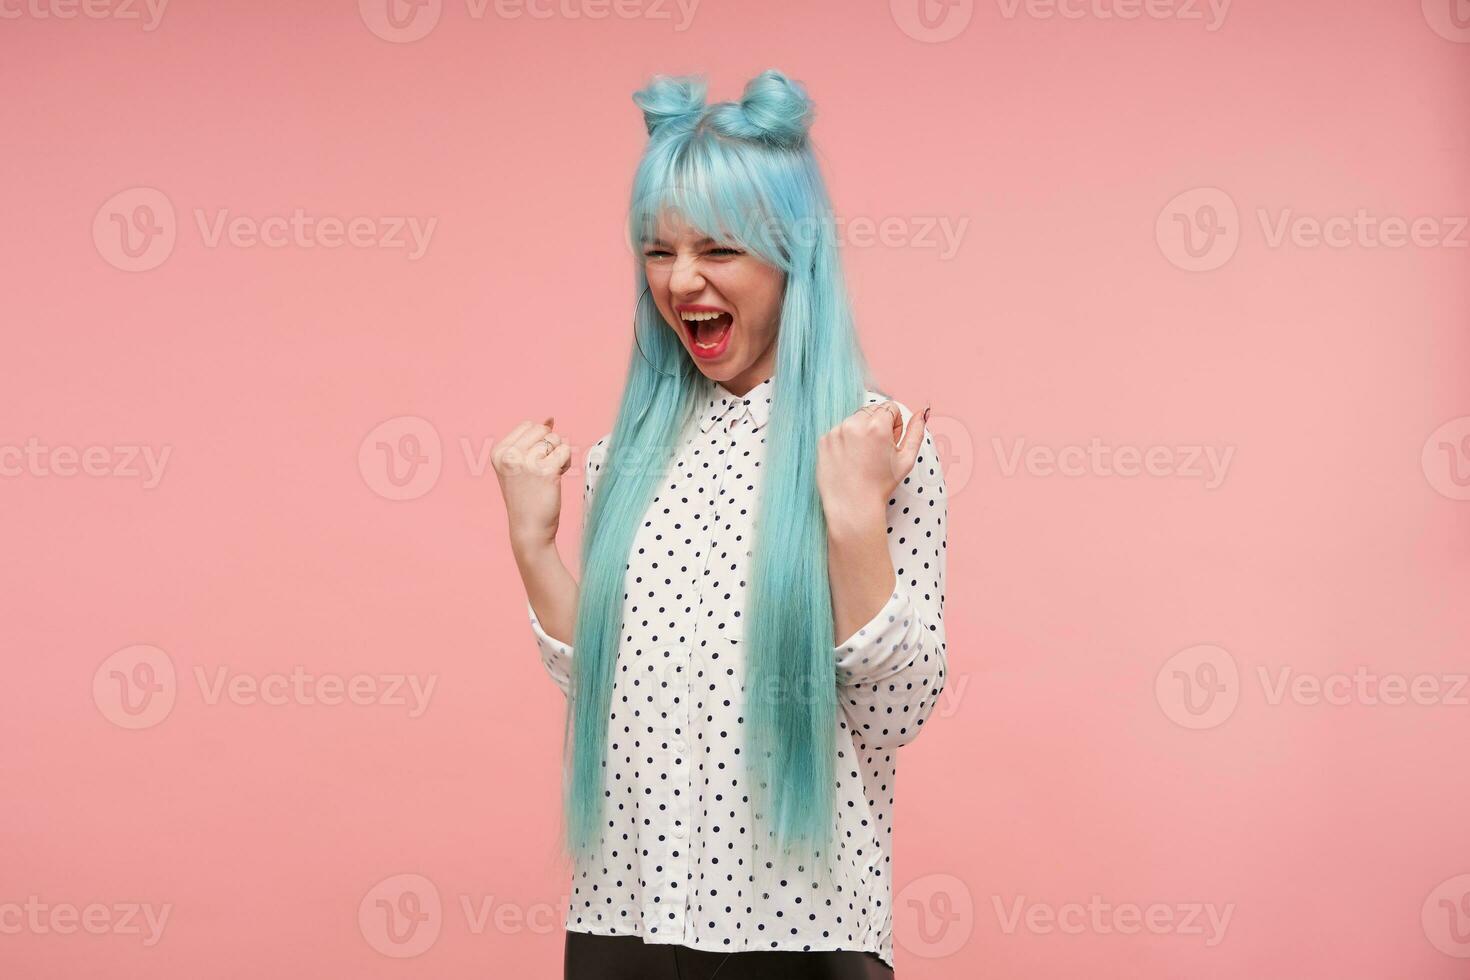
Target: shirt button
681 831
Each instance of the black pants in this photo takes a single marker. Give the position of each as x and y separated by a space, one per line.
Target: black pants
590 957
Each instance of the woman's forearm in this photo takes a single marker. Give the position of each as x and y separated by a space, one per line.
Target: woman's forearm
550 588
860 571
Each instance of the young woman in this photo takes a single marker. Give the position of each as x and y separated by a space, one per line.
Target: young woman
760 620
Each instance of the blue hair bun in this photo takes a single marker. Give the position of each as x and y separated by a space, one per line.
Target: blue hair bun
778 107
668 99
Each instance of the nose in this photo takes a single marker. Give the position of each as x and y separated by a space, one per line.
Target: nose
686 279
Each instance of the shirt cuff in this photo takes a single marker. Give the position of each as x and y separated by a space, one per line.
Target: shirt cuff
556 656
882 646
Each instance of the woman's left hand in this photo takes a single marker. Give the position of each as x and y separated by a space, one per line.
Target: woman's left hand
862 459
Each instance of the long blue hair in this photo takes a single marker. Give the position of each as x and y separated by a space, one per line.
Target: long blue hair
743 173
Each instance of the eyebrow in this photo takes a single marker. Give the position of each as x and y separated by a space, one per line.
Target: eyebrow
660 241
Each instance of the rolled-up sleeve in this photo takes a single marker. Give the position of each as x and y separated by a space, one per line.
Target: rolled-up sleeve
891 671
556 656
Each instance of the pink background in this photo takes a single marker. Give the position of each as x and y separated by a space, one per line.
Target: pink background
1075 754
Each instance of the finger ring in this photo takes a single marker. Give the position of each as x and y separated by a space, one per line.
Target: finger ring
884 406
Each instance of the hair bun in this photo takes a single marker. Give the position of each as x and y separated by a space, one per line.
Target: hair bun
667 98
778 107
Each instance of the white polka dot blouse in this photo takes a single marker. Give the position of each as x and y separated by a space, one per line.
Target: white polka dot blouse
677 859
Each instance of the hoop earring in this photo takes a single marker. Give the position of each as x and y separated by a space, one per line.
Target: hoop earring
636 310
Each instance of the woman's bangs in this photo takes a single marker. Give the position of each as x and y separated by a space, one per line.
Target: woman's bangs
710 197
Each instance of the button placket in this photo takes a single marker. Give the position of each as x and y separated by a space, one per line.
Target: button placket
714 492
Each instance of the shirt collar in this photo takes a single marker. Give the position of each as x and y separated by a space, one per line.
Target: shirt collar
723 404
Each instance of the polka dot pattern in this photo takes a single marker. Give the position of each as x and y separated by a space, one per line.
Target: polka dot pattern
678 859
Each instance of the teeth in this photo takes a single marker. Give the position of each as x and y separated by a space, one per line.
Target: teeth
696 317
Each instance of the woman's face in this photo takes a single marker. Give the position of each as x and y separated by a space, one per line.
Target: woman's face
723 302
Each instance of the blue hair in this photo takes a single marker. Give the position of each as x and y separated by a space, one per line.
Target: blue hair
743 173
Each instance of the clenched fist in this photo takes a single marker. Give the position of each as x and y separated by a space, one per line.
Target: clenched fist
861 460
529 462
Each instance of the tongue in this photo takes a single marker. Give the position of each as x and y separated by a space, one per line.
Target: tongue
709 331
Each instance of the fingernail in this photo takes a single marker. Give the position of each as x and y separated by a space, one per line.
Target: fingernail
926 413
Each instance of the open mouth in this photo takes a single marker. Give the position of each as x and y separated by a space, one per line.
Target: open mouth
709 330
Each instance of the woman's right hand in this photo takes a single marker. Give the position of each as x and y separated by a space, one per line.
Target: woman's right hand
530 480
